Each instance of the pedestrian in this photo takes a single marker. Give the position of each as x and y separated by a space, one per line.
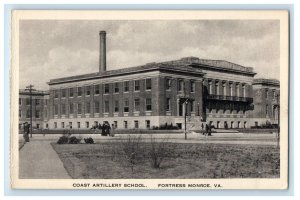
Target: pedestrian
108 129
26 131
103 133
206 129
202 127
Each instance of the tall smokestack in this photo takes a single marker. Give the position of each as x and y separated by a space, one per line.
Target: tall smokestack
102 59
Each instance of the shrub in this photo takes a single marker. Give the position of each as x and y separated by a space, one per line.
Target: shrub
158 152
63 140
74 140
131 148
89 140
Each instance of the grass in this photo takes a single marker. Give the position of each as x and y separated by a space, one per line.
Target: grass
106 161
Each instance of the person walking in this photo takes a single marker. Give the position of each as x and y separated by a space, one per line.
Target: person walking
26 131
206 129
202 127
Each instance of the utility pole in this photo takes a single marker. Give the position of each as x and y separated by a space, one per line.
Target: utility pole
30 89
185 114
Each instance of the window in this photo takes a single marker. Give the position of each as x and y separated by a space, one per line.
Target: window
46 102
79 91
147 123
97 107
71 108
168 84
116 124
20 101
37 126
45 113
267 109
274 94
136 85
168 104
97 89
79 108
126 86
55 124
37 102
55 94
47 125
37 114
87 124
116 87
63 93
88 107
126 105
136 104
217 88
148 84
224 88
267 94
56 109
136 124
106 106
125 124
192 105
70 124
116 106
180 85
28 101
148 104
106 88
20 113
63 109
192 86
71 92
78 124
62 124
88 90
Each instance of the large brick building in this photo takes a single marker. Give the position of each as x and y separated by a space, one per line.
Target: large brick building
156 94
39 106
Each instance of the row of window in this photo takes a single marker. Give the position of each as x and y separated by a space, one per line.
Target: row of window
105 106
274 94
232 90
37 113
137 87
114 124
36 102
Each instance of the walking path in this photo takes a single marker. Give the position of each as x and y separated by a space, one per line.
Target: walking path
38 160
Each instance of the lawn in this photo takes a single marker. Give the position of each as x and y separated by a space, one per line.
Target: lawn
181 160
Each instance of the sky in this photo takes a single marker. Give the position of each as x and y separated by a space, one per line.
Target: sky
58 48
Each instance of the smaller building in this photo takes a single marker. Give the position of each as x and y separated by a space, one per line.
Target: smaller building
39 108
266 102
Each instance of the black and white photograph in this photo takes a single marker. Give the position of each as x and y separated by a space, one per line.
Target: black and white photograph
149 99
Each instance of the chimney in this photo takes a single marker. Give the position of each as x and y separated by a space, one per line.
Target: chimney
102 59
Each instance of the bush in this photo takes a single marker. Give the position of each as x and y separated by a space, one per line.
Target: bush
131 147
89 140
63 140
157 152
74 140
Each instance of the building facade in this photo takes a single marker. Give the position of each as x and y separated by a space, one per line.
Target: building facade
39 106
194 90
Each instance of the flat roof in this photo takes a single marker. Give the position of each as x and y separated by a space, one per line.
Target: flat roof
164 67
189 65
264 81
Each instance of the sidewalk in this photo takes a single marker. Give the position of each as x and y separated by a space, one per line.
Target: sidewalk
38 160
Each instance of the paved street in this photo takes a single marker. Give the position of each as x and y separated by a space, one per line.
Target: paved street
39 160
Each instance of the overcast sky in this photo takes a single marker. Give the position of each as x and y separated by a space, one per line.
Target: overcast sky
52 49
